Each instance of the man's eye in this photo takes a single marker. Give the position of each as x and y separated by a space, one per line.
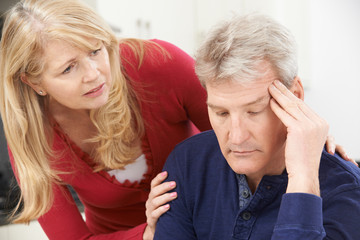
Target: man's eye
222 114
253 113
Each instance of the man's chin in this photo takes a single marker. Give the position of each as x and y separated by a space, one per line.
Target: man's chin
243 163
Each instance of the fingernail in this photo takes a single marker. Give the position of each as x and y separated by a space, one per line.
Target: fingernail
171 184
173 194
163 174
166 206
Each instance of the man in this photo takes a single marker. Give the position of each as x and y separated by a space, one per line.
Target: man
262 172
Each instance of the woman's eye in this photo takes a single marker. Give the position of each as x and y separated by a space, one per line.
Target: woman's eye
68 69
94 53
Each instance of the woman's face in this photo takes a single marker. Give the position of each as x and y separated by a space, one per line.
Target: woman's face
75 78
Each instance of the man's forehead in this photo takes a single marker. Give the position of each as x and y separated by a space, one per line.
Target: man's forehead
263 73
244 94
260 84
262 99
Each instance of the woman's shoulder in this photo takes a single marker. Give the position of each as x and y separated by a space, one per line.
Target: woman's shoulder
149 54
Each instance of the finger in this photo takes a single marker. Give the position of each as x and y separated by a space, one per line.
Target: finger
285 91
161 189
154 216
341 151
159 179
162 200
292 104
353 161
289 103
330 144
284 117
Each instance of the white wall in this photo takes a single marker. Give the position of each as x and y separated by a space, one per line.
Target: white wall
170 20
328 37
335 87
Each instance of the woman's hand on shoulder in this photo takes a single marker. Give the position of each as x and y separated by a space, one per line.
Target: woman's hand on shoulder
158 202
332 147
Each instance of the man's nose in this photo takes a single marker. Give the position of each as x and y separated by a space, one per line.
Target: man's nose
239 133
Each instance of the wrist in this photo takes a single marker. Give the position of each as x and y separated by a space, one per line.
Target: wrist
302 184
148 233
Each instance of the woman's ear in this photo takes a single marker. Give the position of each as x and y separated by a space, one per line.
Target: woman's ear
297 88
36 87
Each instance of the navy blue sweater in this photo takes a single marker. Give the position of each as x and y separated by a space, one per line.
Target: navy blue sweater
207 206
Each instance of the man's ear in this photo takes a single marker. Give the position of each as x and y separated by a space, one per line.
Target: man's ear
37 88
297 88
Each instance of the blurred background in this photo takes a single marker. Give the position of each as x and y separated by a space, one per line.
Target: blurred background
328 37
327 33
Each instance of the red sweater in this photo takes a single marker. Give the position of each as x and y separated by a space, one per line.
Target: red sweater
171 98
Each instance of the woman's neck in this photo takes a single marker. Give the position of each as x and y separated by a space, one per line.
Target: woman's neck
75 123
60 112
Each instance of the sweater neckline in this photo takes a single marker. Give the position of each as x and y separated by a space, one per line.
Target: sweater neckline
86 158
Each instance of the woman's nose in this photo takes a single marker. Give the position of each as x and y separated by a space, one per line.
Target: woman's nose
91 71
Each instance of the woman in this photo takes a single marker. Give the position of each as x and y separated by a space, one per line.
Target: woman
81 109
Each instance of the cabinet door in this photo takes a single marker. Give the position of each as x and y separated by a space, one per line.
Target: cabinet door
169 20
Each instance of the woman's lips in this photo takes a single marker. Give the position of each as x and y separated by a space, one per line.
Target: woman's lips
95 91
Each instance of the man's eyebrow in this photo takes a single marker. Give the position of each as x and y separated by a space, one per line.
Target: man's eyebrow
265 98
212 105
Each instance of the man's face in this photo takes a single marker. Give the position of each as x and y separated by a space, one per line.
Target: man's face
251 137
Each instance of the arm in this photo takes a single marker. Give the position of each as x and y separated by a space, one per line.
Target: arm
300 215
306 216
303 214
306 135
188 89
157 203
177 86
341 214
177 222
64 221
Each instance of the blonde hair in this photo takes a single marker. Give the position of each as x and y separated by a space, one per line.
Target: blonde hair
233 50
27 27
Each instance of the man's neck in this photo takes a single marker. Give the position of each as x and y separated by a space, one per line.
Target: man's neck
254 181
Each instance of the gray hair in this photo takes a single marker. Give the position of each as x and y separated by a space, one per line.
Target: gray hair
234 49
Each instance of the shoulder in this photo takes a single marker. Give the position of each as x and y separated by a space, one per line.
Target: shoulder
337 175
193 152
203 142
168 59
156 60
152 52
173 50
